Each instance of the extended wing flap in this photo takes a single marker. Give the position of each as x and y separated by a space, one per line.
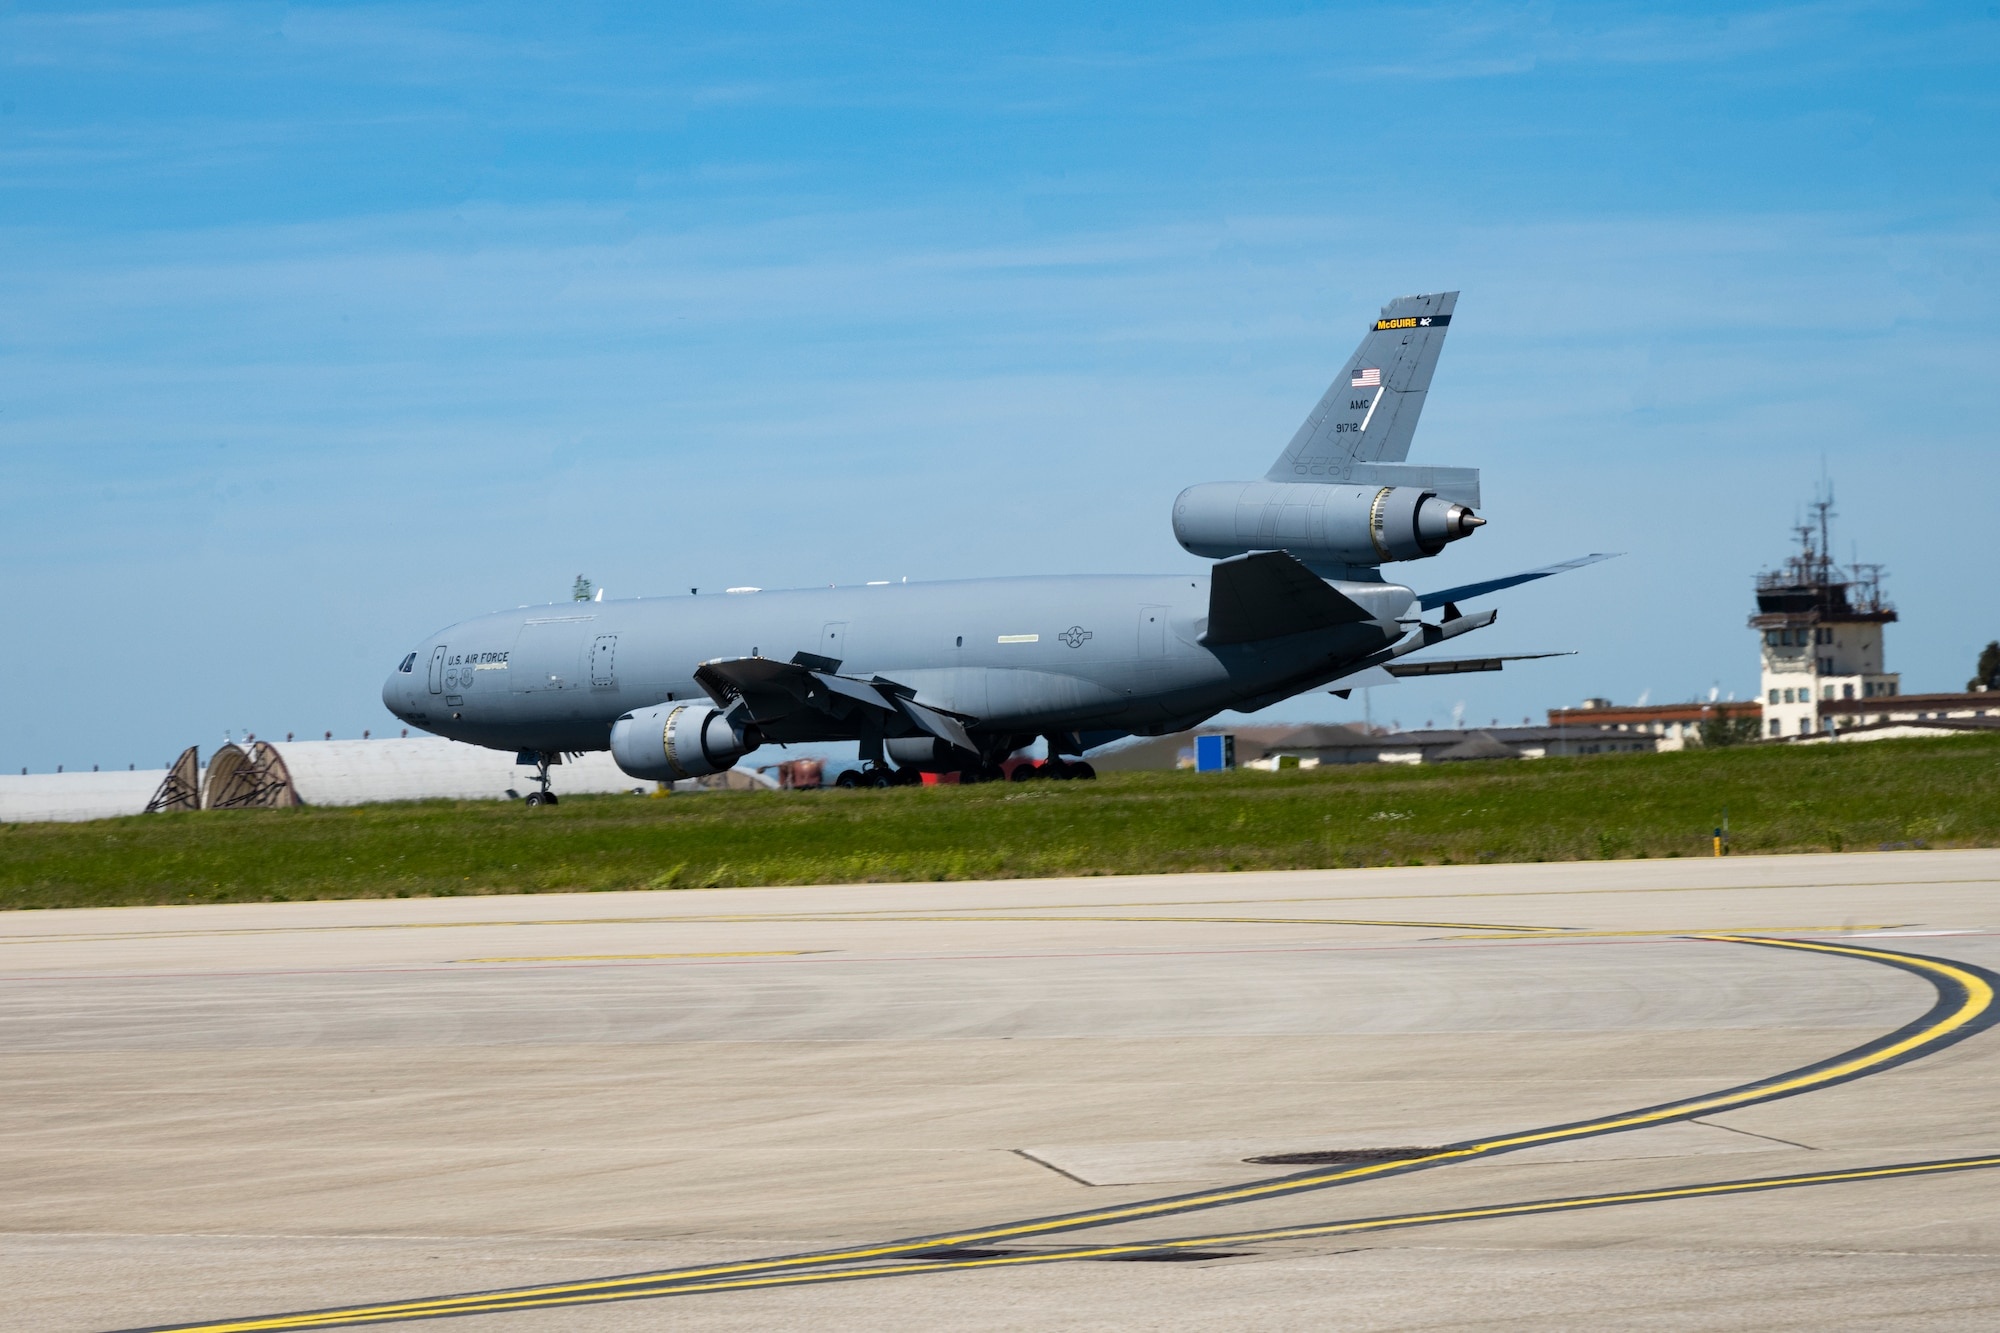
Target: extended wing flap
856 691
770 691
767 687
1269 594
937 723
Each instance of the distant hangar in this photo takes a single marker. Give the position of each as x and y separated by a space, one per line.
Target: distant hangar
266 774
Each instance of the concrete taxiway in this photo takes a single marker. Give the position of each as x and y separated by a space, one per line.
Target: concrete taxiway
1023 1105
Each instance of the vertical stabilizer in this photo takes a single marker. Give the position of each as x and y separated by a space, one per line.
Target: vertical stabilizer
1369 414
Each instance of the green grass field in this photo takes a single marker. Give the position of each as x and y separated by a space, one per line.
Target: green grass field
1937 793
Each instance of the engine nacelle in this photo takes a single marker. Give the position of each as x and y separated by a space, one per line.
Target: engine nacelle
1317 522
668 742
926 754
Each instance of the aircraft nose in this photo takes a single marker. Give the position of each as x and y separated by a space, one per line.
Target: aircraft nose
398 696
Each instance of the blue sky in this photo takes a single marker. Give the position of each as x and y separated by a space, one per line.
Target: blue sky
324 326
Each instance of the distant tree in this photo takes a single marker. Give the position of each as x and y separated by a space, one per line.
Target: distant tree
580 590
1986 676
1726 728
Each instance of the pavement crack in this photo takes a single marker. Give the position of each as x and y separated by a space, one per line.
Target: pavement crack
1768 1138
1023 1152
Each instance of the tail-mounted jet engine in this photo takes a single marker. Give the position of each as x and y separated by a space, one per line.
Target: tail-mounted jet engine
668 742
1319 523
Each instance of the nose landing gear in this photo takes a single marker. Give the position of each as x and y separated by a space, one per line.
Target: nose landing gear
542 760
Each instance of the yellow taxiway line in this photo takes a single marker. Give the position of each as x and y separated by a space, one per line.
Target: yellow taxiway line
1965 1004
1359 1226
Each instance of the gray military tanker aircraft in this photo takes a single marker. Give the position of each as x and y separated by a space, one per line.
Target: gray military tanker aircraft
957 676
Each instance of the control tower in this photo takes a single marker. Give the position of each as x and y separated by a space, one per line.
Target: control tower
1822 632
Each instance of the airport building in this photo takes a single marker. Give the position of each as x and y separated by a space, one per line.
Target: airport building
1820 634
1825 676
1673 726
1275 747
1824 665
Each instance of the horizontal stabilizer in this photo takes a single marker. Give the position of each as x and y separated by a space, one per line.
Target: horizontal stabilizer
1391 672
1460 485
1464 664
1268 594
1431 600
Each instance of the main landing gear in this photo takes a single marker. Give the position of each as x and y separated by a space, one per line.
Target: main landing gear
1055 766
993 766
1062 770
876 771
879 775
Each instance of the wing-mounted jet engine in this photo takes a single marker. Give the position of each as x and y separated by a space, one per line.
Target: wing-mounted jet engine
758 699
1340 498
668 742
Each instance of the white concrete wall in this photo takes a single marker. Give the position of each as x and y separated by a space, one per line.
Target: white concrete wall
73 796
431 768
1909 731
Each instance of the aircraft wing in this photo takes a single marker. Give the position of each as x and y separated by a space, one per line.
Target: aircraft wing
767 691
1432 600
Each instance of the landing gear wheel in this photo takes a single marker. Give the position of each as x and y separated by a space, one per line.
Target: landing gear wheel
908 777
1024 773
1057 769
543 797
991 773
880 777
1082 771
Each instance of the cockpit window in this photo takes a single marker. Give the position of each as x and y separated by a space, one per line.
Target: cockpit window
409 664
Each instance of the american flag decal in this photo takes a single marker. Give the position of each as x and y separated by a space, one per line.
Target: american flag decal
1367 379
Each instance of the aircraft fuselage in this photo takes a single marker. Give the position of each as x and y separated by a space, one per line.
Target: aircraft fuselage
1018 656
